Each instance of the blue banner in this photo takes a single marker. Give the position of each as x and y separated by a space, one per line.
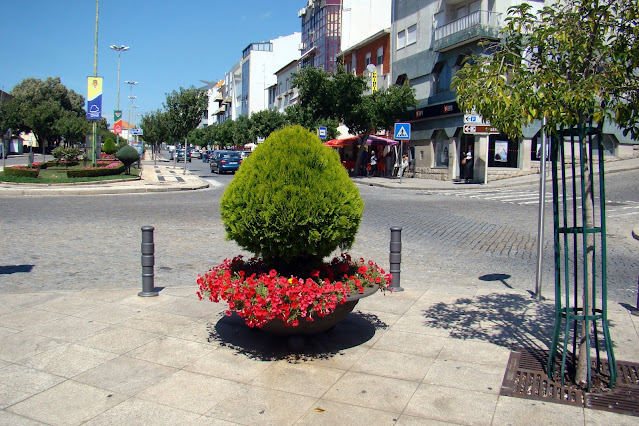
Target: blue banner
94 98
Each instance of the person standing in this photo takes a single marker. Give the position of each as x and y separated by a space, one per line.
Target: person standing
362 166
468 165
373 163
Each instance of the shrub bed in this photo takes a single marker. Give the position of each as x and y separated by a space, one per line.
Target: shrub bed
105 168
22 171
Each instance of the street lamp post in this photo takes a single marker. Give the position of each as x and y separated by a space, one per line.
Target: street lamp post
120 49
131 84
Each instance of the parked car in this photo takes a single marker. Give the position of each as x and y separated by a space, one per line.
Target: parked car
225 161
180 155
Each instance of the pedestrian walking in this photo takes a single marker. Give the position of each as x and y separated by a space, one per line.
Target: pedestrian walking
373 163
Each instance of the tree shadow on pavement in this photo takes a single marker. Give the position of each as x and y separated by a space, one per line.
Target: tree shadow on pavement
15 269
356 329
503 319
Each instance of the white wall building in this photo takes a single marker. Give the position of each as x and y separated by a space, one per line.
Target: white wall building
282 94
363 18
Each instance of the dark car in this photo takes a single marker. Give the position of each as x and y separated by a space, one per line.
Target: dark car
225 161
180 155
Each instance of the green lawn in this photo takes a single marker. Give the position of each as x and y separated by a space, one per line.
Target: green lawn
59 175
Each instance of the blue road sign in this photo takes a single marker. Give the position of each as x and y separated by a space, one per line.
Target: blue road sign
322 132
402 131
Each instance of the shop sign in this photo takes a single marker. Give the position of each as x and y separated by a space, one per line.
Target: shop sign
471 129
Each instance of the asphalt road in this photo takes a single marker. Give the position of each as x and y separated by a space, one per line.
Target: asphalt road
93 242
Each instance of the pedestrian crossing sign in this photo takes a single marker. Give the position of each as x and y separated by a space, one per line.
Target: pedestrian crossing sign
402 131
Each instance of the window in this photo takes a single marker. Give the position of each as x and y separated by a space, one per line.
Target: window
380 56
368 58
401 39
411 35
439 77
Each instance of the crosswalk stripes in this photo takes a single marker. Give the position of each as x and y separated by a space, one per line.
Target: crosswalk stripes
625 209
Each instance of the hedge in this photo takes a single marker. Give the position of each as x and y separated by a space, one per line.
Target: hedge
115 168
21 171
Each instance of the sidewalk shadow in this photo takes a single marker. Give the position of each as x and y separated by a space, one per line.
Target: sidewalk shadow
15 269
356 329
502 319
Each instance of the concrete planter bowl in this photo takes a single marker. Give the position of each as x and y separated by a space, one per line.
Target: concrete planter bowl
319 324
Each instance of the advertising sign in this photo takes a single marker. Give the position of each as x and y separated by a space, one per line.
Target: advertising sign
138 146
117 122
501 151
94 98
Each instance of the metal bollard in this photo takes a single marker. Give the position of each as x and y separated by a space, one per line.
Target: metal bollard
395 257
148 261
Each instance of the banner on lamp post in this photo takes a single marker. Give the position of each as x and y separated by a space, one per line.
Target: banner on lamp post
94 98
117 122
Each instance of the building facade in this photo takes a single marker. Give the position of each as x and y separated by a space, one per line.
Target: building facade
282 94
321 34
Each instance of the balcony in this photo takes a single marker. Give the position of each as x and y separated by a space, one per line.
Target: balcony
467 29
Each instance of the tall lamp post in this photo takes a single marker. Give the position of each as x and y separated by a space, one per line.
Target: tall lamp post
120 49
131 97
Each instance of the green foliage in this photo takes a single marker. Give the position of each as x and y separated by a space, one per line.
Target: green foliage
68 155
121 144
96 171
184 111
575 58
109 147
155 127
21 171
128 155
292 201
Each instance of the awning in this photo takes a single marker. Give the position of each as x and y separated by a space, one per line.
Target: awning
354 140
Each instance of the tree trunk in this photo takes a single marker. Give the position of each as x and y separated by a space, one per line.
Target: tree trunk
583 360
362 147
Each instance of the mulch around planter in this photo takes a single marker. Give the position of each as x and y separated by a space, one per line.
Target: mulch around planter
526 378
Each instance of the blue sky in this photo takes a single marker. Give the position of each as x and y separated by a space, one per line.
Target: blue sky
173 43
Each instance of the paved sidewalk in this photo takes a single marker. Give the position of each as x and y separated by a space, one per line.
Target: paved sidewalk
433 354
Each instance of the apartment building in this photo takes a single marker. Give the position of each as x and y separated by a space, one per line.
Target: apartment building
321 34
282 94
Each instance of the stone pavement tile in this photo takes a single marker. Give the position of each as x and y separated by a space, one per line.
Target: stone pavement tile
432 402
111 313
70 329
407 293
171 352
309 380
22 319
197 331
464 375
417 324
384 319
366 390
21 345
7 418
135 411
108 295
187 291
460 289
330 413
68 303
511 411
254 405
67 360
431 297
405 420
158 322
147 302
4 331
397 365
18 383
5 308
226 363
344 359
194 392
385 303
26 299
188 307
125 375
476 352
69 403
411 343
600 417
118 339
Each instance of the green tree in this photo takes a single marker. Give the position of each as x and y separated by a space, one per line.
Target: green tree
184 110
575 61
109 147
71 128
42 104
199 137
155 128
265 122
340 96
127 155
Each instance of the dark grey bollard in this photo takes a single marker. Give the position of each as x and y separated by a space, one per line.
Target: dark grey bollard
148 261
395 257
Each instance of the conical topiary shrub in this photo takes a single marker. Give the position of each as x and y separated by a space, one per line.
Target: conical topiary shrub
109 147
292 202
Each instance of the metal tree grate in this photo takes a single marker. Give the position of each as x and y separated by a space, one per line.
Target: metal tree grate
526 378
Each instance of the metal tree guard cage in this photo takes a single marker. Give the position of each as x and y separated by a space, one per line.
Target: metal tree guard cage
580 262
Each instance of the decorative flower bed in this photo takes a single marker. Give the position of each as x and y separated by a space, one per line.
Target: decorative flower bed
260 294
